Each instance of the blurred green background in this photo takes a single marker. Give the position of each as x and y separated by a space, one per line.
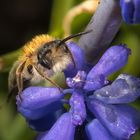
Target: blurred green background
23 19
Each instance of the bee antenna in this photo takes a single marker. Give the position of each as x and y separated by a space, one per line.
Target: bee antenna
73 36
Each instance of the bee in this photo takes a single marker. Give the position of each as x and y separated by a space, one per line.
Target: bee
42 57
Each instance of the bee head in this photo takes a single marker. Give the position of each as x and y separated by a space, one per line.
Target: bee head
56 55
52 53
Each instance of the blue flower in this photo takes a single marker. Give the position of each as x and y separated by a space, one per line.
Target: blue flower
95 103
130 11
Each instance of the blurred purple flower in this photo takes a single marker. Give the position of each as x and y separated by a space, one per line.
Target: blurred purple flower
95 103
130 11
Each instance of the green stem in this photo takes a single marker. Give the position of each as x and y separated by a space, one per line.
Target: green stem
59 10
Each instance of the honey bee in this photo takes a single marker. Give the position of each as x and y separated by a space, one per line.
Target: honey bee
42 57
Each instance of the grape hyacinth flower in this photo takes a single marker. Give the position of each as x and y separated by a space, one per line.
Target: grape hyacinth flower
97 106
130 11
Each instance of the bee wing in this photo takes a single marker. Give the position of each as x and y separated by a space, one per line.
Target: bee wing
14 87
12 76
12 84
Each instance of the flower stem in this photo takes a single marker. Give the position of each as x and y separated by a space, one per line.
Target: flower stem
105 24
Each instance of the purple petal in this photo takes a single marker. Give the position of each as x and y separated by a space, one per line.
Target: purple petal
95 82
136 18
40 112
36 97
122 121
78 81
127 10
78 109
41 135
124 89
130 11
46 122
63 129
79 59
111 61
96 131
39 101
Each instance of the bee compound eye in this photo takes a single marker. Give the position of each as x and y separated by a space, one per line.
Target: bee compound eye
46 63
49 51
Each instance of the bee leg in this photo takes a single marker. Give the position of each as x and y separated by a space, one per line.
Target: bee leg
48 79
19 84
55 84
19 78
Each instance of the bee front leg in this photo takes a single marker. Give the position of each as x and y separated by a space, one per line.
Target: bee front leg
48 79
52 82
19 81
19 78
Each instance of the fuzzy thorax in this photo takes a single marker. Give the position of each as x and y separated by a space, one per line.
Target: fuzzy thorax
32 47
